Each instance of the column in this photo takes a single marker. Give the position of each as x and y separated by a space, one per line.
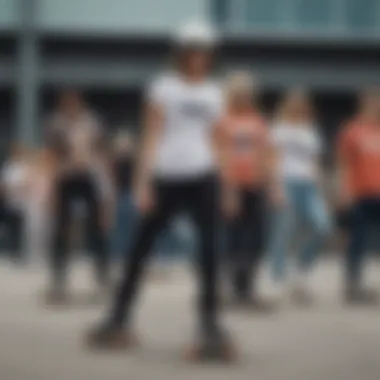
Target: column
27 80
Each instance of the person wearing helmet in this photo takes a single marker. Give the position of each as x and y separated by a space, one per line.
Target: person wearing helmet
175 173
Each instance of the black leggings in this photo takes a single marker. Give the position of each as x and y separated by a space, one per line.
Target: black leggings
80 187
365 214
14 223
245 234
198 199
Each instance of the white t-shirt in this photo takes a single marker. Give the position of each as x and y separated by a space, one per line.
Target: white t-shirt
78 139
14 176
190 110
300 149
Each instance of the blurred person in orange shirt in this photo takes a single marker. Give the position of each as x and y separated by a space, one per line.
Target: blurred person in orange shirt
359 190
305 215
247 171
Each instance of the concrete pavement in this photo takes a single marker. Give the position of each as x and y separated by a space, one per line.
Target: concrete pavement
325 342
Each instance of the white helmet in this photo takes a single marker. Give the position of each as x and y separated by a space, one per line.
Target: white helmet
196 34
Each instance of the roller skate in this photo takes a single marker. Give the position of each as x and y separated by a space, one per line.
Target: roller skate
57 297
356 296
109 337
212 345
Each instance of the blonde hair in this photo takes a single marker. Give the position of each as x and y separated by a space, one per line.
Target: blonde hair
240 82
121 138
368 96
20 151
44 159
295 97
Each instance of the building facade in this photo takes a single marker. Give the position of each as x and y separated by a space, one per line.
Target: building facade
110 48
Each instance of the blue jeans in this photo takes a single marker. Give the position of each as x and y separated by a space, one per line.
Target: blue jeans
305 208
125 221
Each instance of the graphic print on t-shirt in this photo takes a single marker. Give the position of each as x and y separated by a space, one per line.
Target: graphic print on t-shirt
244 143
300 147
195 110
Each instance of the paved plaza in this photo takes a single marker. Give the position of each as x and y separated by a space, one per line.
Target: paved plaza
325 342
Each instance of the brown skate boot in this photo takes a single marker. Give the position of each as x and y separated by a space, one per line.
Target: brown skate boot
212 345
109 337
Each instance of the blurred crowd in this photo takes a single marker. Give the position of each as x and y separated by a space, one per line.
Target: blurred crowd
81 179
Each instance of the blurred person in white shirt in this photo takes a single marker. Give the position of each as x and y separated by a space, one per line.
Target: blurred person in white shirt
300 147
75 135
14 178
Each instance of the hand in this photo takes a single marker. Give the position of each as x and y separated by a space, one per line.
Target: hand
230 204
107 217
277 196
144 198
344 201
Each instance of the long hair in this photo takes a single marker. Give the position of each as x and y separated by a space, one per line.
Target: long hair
298 97
179 56
241 82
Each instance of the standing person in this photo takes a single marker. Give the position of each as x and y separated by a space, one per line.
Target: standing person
248 177
14 178
359 174
300 147
175 173
39 204
74 135
122 168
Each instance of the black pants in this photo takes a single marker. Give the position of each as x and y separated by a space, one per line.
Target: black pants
364 215
245 241
79 187
14 223
198 199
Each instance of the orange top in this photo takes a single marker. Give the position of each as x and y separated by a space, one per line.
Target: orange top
359 151
244 142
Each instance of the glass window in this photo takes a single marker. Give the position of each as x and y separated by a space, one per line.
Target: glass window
264 13
9 13
312 14
220 11
118 15
361 14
